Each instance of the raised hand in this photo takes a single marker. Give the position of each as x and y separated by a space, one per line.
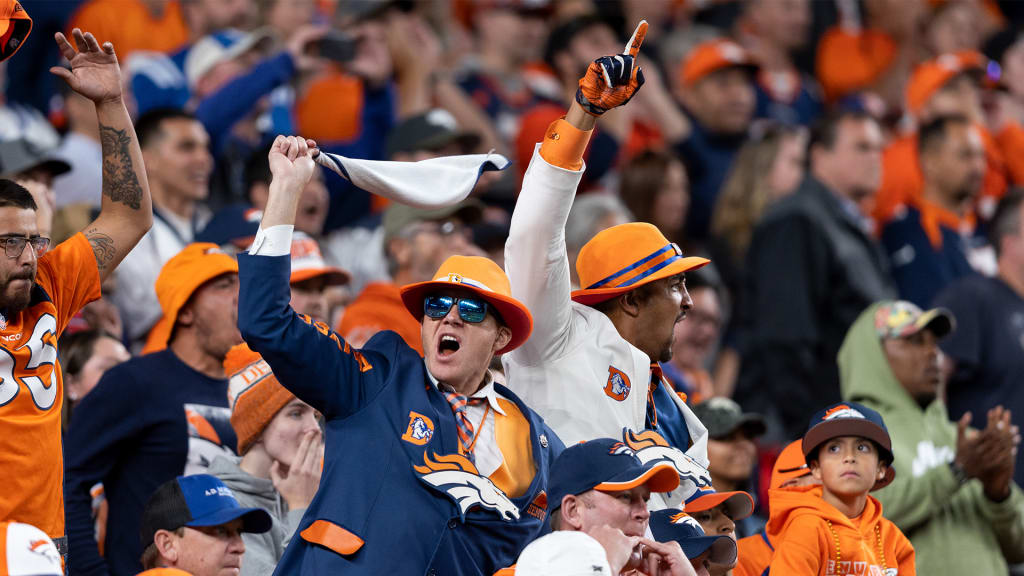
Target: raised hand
611 81
94 71
291 161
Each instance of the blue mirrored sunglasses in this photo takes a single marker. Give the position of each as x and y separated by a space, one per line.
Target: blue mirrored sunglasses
472 310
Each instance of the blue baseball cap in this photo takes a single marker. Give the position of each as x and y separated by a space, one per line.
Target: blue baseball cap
675 525
196 501
849 419
607 465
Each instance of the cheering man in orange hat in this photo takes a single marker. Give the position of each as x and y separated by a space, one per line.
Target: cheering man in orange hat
590 367
429 452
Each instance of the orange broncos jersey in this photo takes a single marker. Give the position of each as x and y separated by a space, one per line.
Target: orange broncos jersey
32 386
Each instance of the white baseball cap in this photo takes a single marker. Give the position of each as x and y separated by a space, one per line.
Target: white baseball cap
564 553
27 551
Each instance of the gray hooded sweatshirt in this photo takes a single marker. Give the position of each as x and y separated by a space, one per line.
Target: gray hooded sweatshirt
262 551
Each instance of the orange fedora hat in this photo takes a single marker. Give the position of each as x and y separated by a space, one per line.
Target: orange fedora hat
625 257
483 277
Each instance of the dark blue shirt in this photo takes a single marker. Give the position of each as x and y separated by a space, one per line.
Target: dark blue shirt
920 269
147 421
671 424
988 349
805 106
708 158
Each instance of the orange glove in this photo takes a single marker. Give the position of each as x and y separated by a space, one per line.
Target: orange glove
611 81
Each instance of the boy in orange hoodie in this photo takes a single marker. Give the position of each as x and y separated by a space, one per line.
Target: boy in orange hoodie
837 529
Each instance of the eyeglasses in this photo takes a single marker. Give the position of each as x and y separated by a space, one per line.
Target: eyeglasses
15 245
471 310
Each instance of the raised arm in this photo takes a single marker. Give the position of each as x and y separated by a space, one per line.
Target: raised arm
127 210
535 254
307 357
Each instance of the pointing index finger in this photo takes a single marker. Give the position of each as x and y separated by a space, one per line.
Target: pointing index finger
633 46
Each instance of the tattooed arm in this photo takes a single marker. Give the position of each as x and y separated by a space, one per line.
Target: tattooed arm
127 210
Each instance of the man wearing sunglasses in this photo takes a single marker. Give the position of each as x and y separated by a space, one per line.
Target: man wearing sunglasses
41 290
429 452
591 366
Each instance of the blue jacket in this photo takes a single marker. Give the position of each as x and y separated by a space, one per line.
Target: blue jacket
382 508
920 269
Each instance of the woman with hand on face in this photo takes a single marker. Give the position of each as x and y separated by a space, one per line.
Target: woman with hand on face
282 450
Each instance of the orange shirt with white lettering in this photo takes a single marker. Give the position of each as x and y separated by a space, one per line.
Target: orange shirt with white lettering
32 386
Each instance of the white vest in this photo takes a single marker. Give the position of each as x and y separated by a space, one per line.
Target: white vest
576 371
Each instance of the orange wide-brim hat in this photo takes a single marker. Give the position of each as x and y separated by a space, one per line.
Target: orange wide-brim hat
482 277
625 257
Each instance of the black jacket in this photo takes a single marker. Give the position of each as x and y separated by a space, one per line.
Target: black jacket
811 270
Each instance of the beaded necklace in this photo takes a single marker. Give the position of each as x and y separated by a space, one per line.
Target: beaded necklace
878 540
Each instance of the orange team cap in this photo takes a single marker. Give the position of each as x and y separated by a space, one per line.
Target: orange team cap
308 262
738 504
625 257
711 56
164 572
254 394
27 550
181 276
15 26
483 277
789 465
932 75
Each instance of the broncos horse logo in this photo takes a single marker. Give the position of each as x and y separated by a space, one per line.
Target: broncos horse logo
420 429
685 519
618 385
457 477
843 411
650 447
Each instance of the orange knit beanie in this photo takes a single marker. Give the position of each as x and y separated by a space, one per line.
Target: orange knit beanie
254 394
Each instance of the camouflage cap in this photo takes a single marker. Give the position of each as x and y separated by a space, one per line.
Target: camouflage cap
899 319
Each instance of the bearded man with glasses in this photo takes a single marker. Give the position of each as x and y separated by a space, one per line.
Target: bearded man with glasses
426 451
41 290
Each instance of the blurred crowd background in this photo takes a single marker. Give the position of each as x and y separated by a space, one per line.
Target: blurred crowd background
912 111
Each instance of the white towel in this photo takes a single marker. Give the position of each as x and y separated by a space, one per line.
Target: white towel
425 184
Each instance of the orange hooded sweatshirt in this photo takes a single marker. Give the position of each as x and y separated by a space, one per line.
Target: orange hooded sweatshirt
754 554
807 545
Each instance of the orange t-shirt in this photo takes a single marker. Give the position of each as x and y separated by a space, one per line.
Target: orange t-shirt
32 386
130 26
849 61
